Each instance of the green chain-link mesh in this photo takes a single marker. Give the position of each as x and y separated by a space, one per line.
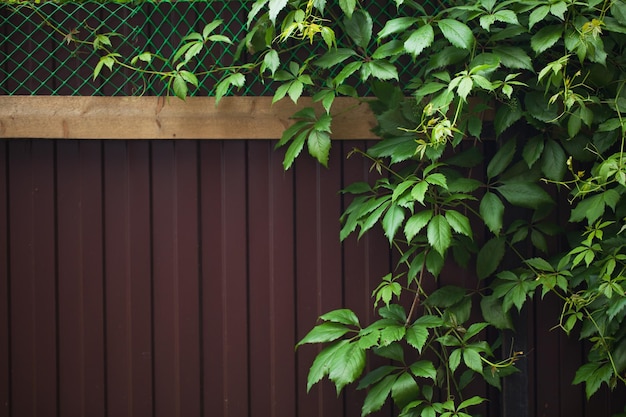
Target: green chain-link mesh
38 57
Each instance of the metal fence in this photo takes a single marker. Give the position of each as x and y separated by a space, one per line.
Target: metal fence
38 54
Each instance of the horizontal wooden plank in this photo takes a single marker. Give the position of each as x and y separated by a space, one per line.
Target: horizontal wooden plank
63 117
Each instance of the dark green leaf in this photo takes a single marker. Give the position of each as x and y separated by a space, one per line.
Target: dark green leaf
513 57
295 148
359 27
489 257
445 296
525 194
533 150
322 362
554 161
334 57
416 223
546 37
501 159
492 311
506 115
492 211
382 69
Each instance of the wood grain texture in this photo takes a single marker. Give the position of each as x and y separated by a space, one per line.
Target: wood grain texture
64 117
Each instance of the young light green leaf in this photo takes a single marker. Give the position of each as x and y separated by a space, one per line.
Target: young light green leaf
439 234
276 6
457 33
319 146
271 61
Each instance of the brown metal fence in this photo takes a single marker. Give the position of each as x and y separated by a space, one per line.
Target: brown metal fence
173 278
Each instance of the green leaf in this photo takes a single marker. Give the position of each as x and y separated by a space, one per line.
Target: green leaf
294 149
494 314
343 316
459 222
513 57
472 360
471 401
276 6
457 33
325 332
501 159
533 150
347 6
593 375
445 296
506 115
525 194
404 390
439 234
424 369
322 362
179 85
334 57
347 365
359 27
382 69
416 336
377 395
618 10
319 146
396 25
419 40
392 221
271 61
492 211
545 38
538 15
554 161
454 360
489 257
416 223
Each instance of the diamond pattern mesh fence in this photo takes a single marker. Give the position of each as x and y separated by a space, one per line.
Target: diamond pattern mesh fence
41 52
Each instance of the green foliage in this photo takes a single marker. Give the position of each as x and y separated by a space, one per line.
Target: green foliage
540 87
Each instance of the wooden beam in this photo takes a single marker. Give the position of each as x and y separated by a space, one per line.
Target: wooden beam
62 117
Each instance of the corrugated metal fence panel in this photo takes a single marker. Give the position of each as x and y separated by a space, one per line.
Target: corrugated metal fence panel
173 278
